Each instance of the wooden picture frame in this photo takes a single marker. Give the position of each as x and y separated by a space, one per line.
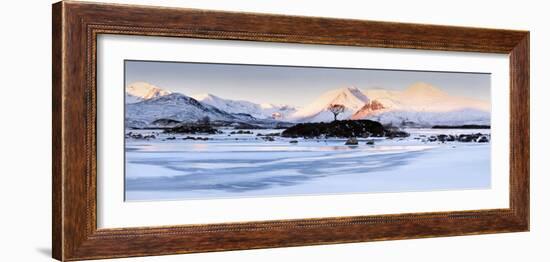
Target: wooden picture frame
76 26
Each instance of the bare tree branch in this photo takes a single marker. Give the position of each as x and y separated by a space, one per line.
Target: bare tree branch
336 109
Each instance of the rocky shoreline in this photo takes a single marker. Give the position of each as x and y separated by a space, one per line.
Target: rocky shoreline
462 127
192 129
354 131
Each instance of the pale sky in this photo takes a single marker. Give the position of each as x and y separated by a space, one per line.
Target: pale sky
292 85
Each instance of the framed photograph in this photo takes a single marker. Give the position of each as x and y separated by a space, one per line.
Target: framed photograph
181 130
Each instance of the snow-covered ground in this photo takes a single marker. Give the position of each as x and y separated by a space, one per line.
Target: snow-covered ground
245 165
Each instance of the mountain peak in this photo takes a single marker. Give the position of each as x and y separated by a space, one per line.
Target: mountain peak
144 90
350 97
345 94
349 90
259 111
424 89
205 96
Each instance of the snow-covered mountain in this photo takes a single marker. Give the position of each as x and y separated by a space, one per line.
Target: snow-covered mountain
261 111
424 97
423 104
350 97
419 105
430 118
178 107
140 91
278 112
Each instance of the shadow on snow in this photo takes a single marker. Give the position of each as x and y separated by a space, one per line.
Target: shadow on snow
248 175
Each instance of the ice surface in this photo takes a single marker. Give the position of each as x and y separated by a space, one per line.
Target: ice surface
244 165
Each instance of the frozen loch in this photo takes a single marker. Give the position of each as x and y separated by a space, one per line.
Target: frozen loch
249 164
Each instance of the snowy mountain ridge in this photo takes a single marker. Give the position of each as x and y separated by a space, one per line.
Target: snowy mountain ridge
140 91
421 104
261 111
424 97
174 106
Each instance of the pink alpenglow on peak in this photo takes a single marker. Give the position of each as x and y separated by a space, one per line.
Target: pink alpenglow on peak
139 91
425 97
350 97
424 105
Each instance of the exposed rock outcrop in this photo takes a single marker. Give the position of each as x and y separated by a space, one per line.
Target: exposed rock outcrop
343 129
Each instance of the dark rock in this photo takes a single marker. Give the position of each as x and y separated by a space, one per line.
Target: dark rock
473 138
393 133
352 141
370 142
241 132
139 136
192 129
294 141
442 138
268 138
134 136
466 138
483 139
166 122
344 128
432 138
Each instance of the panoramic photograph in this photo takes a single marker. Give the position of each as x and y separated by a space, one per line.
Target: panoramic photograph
211 130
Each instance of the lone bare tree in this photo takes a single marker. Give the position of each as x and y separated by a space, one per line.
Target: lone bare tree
336 109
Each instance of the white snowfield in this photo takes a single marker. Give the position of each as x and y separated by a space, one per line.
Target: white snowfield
227 165
421 104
